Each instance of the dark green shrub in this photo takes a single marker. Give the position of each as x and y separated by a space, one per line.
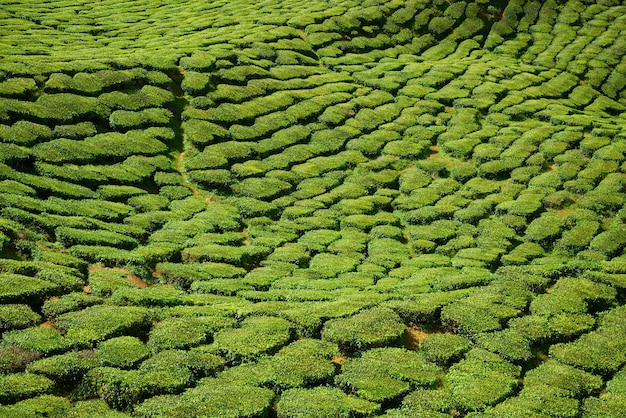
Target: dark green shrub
158 295
383 374
568 380
18 386
122 389
509 344
17 316
42 340
610 403
306 362
99 323
16 288
374 327
322 402
177 333
256 336
481 379
598 351
438 231
70 302
546 228
185 274
121 352
64 369
43 405
210 398
72 236
14 358
198 363
444 349
94 408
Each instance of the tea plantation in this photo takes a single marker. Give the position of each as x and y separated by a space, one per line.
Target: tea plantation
321 208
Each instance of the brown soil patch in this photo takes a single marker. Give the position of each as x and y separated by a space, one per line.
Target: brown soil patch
47 324
86 289
338 360
563 212
137 281
413 336
246 240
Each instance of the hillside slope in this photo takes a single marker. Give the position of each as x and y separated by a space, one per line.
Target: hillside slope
323 208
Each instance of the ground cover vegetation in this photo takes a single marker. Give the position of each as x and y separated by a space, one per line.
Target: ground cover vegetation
313 208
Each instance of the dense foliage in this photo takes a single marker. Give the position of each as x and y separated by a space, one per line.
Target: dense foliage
313 208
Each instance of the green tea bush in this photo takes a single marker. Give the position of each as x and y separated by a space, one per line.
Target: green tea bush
322 402
122 389
545 229
53 406
152 296
42 340
243 256
330 265
598 351
611 402
305 362
509 344
210 399
98 323
198 363
26 133
119 193
256 336
17 316
70 302
262 188
438 231
483 311
609 242
122 352
16 288
18 386
481 379
374 327
184 274
147 96
122 120
444 349
72 236
383 374
568 380
64 369
177 333
108 256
